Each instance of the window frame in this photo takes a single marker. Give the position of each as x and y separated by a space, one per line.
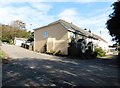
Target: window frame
45 34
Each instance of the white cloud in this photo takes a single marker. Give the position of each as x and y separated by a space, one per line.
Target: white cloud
34 13
41 7
95 23
68 14
3 4
37 15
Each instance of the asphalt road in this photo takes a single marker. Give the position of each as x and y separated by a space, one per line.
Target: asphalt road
28 68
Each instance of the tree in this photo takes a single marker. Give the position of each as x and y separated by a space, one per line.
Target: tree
9 33
19 24
113 24
31 37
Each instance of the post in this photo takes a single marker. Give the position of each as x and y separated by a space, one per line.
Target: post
31 26
14 32
100 33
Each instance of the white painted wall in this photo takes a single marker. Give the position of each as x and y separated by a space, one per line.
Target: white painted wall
19 42
99 43
103 45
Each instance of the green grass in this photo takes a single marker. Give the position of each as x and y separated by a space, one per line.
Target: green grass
107 57
2 54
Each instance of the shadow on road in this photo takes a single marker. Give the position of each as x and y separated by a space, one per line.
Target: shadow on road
59 73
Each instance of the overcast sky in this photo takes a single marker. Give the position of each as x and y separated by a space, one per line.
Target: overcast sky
90 14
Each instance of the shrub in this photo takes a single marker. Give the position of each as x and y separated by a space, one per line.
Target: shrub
119 49
59 53
51 52
94 54
7 41
11 42
100 52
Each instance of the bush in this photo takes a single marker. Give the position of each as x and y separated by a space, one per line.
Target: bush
52 52
7 41
100 52
11 42
94 54
59 53
119 50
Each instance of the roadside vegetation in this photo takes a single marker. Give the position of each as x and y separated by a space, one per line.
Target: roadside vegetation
100 52
2 54
15 29
113 25
9 33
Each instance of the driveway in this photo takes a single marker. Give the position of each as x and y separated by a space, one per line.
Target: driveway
28 68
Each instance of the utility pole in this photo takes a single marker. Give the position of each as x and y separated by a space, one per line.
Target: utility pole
14 32
100 33
31 27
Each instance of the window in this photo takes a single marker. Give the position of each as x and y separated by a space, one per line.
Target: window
46 34
72 35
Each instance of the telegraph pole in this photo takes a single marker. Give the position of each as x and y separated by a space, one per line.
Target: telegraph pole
31 27
100 33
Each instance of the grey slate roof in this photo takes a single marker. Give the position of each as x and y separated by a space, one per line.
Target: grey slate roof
71 27
75 29
98 37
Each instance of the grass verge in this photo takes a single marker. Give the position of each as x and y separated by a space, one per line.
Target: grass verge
2 54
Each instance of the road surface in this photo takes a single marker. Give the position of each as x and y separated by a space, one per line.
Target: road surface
28 68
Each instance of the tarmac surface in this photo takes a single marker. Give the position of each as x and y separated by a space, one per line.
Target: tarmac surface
28 68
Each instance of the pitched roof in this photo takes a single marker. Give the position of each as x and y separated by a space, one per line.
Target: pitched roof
73 28
70 27
98 37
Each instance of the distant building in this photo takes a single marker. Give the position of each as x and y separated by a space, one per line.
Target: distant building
19 41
